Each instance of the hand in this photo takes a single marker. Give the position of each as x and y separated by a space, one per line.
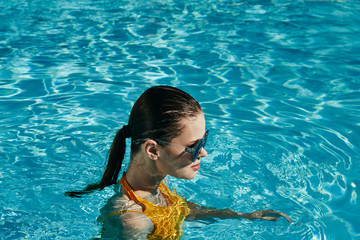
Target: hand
267 214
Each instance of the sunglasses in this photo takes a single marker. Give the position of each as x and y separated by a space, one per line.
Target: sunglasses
193 150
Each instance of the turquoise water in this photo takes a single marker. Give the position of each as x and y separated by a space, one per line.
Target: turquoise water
278 81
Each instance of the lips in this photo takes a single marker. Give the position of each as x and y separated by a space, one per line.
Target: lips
196 167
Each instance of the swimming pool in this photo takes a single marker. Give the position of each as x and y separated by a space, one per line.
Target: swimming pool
278 81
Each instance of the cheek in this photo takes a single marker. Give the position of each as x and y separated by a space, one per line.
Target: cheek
175 160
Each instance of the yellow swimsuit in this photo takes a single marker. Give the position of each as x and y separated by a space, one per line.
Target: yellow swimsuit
167 220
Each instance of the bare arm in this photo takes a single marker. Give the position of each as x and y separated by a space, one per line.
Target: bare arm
198 212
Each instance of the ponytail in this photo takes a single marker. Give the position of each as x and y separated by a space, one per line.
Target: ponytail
116 156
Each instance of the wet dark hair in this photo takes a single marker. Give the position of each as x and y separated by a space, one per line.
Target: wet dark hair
155 115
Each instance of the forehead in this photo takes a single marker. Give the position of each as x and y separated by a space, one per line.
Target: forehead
193 129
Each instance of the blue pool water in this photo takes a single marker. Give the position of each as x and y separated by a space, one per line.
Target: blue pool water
278 81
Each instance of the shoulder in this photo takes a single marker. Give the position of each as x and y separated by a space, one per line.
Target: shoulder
130 224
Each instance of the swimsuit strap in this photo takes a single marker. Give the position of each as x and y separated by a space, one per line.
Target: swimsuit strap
118 213
130 192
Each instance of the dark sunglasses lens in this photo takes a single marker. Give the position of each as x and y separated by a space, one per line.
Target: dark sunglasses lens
198 147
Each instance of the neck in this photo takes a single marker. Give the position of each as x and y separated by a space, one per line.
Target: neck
142 176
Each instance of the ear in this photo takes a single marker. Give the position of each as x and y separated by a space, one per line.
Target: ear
151 149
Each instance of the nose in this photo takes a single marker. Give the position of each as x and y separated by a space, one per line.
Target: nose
203 152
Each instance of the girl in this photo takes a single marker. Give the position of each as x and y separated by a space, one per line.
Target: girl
168 136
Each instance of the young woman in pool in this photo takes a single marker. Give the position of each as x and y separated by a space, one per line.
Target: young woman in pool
168 135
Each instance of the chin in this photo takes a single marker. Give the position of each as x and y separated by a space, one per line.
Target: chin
188 176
